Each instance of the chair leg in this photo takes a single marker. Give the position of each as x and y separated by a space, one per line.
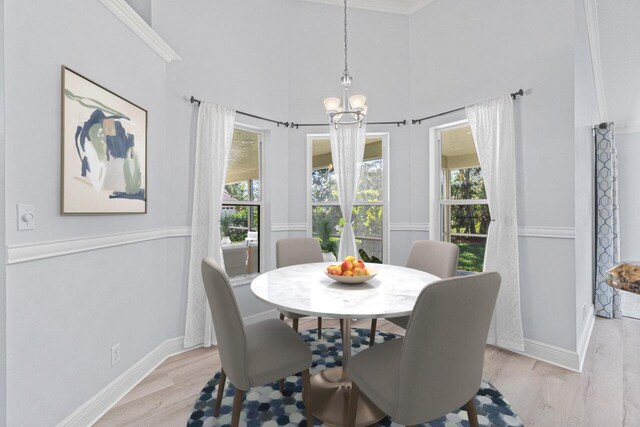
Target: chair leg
221 383
237 406
472 414
319 327
281 316
372 334
353 405
341 326
295 325
281 384
306 397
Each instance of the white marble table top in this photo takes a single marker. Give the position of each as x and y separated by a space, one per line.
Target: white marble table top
305 289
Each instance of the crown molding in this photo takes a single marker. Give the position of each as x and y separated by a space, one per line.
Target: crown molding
403 7
591 10
135 23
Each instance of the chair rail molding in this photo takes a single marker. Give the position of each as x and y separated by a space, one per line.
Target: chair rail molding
41 250
409 226
547 232
135 23
294 226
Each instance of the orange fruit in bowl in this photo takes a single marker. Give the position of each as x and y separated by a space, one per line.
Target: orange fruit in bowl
347 266
347 273
358 264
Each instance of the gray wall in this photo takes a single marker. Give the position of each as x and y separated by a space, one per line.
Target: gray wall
629 195
242 63
379 65
586 115
279 60
3 246
65 313
504 46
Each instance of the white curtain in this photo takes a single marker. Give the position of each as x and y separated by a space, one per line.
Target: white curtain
213 143
492 127
347 151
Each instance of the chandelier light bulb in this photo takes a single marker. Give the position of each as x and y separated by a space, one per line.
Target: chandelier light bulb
357 102
332 104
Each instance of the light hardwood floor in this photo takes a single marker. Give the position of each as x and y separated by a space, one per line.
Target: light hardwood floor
606 394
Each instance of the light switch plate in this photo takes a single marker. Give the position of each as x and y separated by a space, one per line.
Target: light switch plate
26 217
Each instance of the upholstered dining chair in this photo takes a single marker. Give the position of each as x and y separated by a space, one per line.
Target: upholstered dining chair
251 355
430 256
293 251
437 367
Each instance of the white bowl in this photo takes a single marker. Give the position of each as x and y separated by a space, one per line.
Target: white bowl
353 279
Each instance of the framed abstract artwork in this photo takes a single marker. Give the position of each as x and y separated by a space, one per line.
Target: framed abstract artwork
104 150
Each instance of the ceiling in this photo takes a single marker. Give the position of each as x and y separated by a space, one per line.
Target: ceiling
619 31
322 151
404 7
458 149
244 157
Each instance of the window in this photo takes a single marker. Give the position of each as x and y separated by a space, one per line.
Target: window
369 212
241 202
463 210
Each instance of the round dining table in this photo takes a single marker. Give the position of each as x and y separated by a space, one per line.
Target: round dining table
306 289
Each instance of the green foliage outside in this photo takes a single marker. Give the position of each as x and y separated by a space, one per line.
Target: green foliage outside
236 225
467 184
367 220
471 255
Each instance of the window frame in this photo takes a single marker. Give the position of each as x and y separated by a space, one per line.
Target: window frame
247 278
437 203
385 137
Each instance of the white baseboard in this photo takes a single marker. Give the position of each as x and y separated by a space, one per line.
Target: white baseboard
585 337
106 398
551 354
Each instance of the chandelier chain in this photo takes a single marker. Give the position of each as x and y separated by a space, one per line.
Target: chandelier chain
346 69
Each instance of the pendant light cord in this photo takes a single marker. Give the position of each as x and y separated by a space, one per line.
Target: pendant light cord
346 69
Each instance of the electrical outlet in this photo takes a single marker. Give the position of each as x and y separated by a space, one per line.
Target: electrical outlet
115 354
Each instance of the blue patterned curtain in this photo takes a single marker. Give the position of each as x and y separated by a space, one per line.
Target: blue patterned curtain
607 299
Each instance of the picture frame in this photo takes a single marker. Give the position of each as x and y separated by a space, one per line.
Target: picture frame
104 150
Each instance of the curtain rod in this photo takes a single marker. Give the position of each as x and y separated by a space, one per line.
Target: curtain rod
297 125
285 124
419 121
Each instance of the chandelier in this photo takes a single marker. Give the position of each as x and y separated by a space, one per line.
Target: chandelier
353 108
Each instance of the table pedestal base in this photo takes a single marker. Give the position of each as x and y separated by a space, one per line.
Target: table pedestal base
330 400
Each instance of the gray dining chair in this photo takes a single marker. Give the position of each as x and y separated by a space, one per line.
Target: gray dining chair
294 251
251 355
437 367
430 256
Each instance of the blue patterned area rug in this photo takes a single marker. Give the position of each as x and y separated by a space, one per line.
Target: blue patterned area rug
266 406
